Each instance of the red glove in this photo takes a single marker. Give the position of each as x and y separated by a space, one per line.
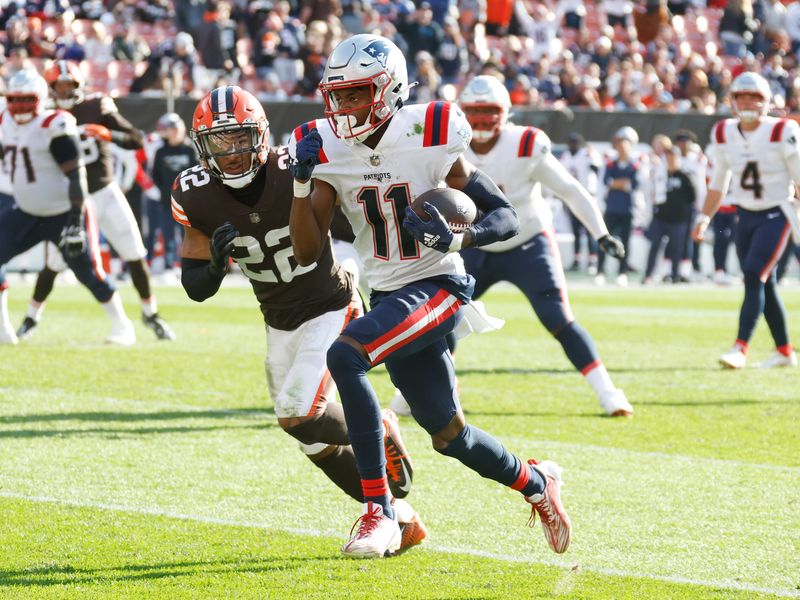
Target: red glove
100 132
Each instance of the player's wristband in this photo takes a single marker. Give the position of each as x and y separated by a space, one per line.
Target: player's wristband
456 243
702 219
302 189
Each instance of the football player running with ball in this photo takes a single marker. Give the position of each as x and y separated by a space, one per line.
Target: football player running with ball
42 157
759 157
100 125
236 204
373 155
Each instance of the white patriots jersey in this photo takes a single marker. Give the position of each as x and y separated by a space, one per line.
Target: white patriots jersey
374 187
584 166
39 186
755 161
511 164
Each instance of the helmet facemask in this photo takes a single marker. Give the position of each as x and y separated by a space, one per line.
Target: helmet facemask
63 100
344 121
486 120
234 154
23 107
753 113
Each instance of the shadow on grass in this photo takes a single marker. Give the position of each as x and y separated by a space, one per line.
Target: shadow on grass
259 419
125 417
571 371
66 575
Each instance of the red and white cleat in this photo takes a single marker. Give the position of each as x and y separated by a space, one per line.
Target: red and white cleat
412 528
373 535
399 470
555 522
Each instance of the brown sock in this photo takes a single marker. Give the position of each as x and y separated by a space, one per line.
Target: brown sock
339 464
328 428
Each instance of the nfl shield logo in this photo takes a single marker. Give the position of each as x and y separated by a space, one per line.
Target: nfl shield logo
255 217
375 160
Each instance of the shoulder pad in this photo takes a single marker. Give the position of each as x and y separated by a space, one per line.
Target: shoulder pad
446 125
718 132
107 105
533 143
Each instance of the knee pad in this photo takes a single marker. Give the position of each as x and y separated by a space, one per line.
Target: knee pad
343 358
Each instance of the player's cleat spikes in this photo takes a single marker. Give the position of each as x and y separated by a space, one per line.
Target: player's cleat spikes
373 535
555 522
26 329
779 360
412 529
733 359
7 335
122 333
162 330
399 470
615 403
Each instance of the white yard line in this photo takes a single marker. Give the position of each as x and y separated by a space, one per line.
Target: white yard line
727 585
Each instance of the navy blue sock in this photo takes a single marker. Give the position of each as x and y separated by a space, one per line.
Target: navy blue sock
364 424
486 456
752 306
578 345
775 313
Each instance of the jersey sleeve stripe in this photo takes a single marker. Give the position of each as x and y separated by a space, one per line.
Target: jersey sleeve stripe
437 120
178 214
48 120
719 132
777 131
526 142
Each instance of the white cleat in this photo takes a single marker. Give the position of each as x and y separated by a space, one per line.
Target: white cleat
122 333
615 403
733 359
722 278
600 279
7 334
555 522
399 404
373 535
621 280
779 360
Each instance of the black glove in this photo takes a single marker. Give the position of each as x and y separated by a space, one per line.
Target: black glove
611 245
306 156
73 236
434 234
221 249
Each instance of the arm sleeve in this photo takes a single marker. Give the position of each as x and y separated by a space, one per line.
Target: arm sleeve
720 175
197 280
123 134
499 221
557 179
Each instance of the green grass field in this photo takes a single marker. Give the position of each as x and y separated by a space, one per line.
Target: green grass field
158 471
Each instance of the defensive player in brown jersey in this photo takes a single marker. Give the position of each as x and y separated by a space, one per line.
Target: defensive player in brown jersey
100 124
236 204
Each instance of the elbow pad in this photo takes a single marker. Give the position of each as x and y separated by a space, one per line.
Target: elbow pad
65 148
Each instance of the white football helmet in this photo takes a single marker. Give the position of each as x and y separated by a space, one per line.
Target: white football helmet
751 83
482 94
627 133
26 95
362 60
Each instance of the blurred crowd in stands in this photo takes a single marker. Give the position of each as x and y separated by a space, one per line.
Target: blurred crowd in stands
624 55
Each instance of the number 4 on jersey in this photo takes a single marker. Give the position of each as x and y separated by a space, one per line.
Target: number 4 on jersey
751 179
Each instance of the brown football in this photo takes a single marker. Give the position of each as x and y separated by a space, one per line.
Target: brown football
456 207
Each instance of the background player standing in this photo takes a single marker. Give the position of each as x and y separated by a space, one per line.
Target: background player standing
373 155
41 155
100 124
759 156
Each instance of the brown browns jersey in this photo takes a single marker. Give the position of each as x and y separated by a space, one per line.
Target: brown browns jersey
289 294
101 109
